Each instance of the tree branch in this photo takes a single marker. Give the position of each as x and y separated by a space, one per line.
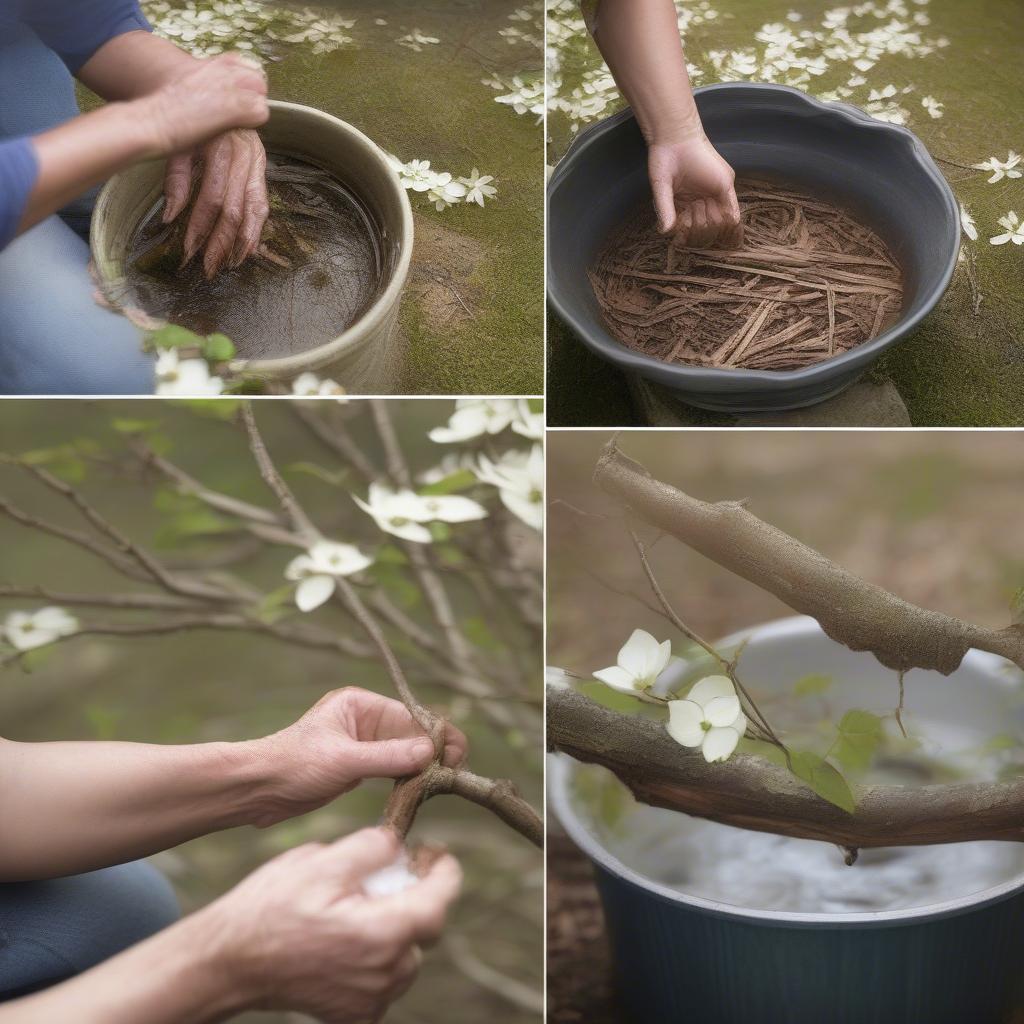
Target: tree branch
752 793
853 612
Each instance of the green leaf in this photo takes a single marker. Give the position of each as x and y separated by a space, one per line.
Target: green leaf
388 554
759 748
457 481
812 685
440 531
213 408
126 426
860 733
823 778
335 478
1003 741
173 336
275 604
218 348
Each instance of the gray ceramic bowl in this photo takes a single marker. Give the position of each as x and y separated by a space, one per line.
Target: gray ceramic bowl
880 172
687 959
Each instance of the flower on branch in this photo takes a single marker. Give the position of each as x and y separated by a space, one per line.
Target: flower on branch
404 513
475 417
318 568
519 478
26 630
710 718
641 660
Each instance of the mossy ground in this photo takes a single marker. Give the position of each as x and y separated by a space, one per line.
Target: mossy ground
433 106
960 368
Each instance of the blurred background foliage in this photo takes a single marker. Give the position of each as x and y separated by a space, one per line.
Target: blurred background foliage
197 686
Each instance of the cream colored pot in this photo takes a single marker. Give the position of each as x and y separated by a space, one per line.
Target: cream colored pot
365 358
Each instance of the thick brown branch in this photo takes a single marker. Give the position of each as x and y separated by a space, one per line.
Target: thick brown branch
498 795
752 793
850 610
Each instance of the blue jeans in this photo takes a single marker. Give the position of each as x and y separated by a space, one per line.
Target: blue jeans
54 338
52 930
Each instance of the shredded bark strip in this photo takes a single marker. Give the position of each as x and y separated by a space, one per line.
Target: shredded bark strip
807 283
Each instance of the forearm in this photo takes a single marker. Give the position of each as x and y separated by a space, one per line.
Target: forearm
85 151
74 807
640 42
132 65
176 977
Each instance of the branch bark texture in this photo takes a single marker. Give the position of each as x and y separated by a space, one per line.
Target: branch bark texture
853 612
752 793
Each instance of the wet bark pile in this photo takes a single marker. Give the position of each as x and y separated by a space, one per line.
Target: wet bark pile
807 283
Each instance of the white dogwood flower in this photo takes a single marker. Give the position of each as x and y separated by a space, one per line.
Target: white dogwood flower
446 191
184 378
932 105
710 717
641 660
404 512
1014 230
26 630
1001 168
479 186
968 224
310 385
519 477
318 568
474 417
416 40
529 423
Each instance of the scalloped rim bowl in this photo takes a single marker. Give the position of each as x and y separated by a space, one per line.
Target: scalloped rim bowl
880 172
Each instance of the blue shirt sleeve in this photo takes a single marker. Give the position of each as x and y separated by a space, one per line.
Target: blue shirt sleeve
76 29
19 168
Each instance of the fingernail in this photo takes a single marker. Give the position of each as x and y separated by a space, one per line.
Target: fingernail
423 750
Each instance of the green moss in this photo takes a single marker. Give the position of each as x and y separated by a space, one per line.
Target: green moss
433 105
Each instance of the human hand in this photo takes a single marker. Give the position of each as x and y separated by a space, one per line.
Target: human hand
694 193
212 97
232 204
300 934
347 736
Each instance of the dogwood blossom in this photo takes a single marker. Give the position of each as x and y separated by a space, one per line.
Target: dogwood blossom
416 40
310 385
474 417
528 423
446 191
1014 230
519 477
317 570
932 105
403 513
184 378
442 188
640 661
1001 168
27 630
710 717
968 224
478 185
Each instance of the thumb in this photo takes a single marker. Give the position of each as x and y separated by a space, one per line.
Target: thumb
391 758
664 204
